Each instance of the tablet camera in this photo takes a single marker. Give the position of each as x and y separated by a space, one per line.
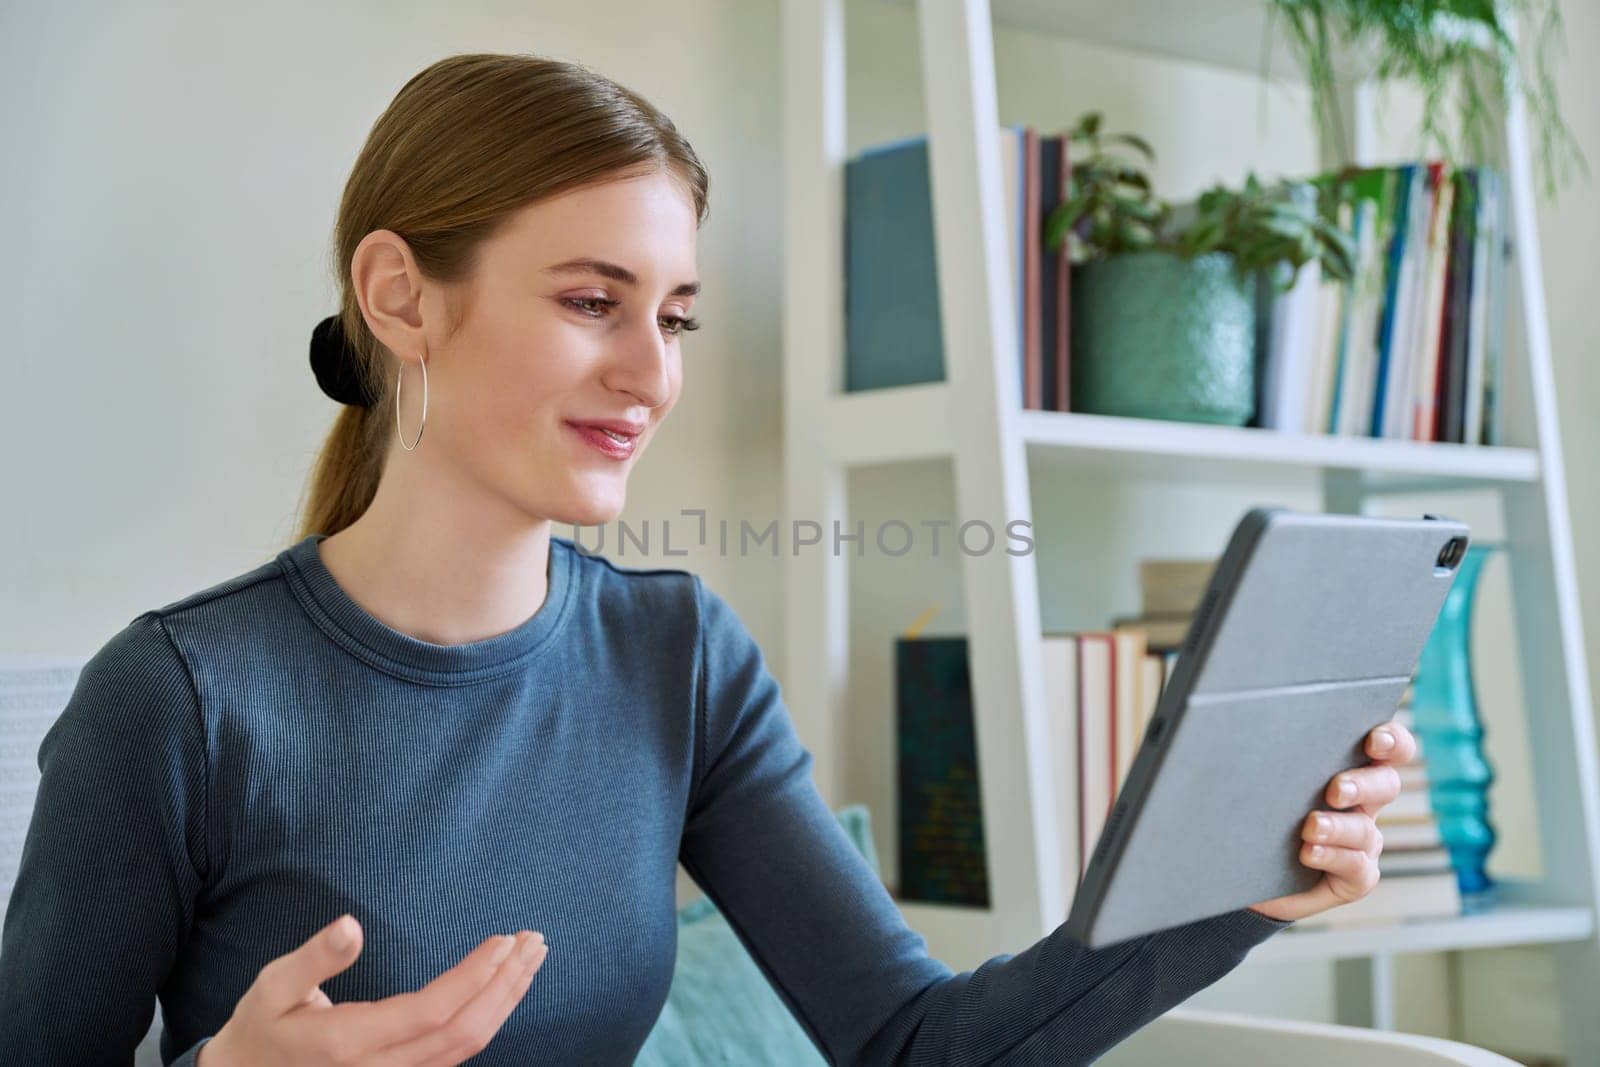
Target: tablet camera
1451 553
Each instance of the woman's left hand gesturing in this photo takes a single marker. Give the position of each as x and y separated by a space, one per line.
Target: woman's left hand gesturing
1345 843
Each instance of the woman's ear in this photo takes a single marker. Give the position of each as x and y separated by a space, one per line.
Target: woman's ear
389 288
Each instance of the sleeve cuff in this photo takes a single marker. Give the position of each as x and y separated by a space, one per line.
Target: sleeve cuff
189 1056
1246 928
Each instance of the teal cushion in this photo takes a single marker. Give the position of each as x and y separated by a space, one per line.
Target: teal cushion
721 1009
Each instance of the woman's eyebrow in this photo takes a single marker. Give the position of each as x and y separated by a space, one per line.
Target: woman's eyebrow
586 265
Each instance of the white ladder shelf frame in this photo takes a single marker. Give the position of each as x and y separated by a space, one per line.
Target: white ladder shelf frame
989 439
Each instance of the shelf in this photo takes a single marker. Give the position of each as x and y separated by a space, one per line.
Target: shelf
1184 450
1231 33
1505 926
1515 923
911 423
1009 457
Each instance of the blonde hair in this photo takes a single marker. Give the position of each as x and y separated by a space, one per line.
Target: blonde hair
465 144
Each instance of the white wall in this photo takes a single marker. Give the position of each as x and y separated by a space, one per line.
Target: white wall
169 195
169 198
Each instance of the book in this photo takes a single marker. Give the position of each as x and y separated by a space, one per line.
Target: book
1286 325
1059 665
1063 283
1478 310
1410 833
1377 191
1396 293
1053 267
1411 804
1499 256
1032 249
1405 338
893 334
1173 586
940 832
1409 347
1325 353
1395 898
1152 681
1425 385
1413 775
1127 701
1458 303
1161 631
1096 738
1413 861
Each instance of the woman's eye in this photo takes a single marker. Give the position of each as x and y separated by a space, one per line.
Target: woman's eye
582 302
680 324
597 307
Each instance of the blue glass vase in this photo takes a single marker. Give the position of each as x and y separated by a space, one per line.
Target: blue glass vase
1444 709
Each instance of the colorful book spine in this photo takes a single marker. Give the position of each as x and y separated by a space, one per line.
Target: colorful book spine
1411 346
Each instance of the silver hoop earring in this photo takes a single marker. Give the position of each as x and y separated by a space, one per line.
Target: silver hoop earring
424 424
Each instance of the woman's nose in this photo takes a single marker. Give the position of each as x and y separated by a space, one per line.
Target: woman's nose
643 366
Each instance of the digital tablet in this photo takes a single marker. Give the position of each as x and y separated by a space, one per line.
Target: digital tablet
1306 637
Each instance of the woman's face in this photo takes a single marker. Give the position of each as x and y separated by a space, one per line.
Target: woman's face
573 316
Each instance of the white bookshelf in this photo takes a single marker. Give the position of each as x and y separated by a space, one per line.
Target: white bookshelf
995 450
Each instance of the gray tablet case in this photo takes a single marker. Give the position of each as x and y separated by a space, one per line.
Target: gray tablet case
1305 639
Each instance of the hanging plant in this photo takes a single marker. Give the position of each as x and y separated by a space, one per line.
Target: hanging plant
1460 49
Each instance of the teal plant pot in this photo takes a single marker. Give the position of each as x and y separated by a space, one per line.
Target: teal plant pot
1156 336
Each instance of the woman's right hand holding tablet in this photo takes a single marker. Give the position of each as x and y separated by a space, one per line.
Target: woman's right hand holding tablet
285 1018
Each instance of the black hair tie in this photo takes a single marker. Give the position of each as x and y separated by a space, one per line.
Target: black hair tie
337 364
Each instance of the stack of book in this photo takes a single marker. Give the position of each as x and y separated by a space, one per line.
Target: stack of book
1415 877
1100 688
892 323
1411 347
1104 686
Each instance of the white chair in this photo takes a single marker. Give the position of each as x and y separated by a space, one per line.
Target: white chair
1197 1038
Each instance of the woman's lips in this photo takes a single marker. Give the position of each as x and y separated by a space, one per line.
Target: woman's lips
604 443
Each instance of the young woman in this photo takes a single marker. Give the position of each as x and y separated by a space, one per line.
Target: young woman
305 806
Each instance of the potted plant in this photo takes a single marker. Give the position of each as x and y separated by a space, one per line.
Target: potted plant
1164 302
1463 51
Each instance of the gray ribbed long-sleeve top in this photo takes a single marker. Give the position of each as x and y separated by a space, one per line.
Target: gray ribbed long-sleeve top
240 767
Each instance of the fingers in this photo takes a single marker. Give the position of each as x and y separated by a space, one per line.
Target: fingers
293 979
1343 829
470 1029
1392 742
1352 873
371 1025
1366 788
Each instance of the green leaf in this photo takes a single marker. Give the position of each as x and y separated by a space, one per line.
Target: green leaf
1137 143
